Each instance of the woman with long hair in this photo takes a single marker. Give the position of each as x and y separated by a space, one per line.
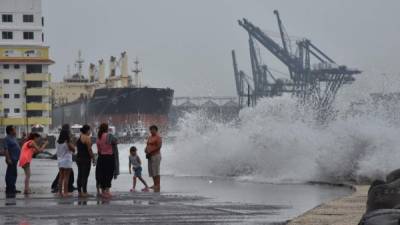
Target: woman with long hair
83 160
65 149
29 148
106 161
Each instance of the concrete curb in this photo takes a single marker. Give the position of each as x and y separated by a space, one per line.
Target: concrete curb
343 211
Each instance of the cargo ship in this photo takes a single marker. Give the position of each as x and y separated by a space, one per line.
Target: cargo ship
116 99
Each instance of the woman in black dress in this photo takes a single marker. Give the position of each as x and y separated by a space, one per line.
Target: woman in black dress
84 159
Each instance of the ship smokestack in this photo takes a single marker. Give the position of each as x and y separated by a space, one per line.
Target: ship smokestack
92 69
102 72
113 66
124 65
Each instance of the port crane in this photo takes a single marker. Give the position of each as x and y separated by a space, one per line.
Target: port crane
313 76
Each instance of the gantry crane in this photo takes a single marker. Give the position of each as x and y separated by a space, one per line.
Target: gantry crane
313 76
242 82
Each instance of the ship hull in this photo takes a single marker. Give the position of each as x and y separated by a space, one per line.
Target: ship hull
123 108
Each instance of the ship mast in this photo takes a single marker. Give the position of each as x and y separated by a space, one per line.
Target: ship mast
136 71
79 63
68 75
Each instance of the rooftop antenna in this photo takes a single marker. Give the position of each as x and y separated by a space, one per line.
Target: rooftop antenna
79 62
136 71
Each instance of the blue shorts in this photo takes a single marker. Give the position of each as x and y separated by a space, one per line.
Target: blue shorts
138 172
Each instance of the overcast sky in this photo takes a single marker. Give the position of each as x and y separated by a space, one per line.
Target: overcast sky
186 44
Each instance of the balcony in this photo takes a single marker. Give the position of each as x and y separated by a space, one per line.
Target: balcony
39 120
37 77
38 106
22 121
13 121
38 92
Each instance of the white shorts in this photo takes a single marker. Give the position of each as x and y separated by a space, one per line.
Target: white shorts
65 163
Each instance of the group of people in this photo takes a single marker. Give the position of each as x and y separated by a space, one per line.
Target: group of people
106 162
12 149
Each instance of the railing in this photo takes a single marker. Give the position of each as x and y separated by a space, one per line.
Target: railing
38 106
39 120
21 121
38 91
37 77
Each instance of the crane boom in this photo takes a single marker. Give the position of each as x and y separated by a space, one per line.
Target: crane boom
255 66
284 37
281 31
236 73
271 45
320 52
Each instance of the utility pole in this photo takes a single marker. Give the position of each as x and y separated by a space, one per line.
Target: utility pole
26 110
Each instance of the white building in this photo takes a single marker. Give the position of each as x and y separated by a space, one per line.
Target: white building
24 61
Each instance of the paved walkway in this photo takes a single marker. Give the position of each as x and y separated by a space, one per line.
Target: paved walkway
344 211
130 208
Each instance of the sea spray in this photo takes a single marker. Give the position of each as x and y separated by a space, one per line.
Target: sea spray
262 145
277 141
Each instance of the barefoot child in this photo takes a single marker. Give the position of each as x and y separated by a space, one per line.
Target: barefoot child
136 164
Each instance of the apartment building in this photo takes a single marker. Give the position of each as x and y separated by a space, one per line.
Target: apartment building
24 60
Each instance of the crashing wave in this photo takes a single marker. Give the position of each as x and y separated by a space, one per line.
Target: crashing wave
279 142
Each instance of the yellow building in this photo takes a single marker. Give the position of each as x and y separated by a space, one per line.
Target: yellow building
24 61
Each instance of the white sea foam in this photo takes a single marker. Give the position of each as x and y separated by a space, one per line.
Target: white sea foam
278 142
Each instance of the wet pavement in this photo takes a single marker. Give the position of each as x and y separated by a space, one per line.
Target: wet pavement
184 200
131 208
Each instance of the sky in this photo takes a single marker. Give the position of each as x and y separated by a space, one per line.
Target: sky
186 44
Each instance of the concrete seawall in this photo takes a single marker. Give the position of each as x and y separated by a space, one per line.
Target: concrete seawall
343 211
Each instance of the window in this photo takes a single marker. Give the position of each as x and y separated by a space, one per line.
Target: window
28 18
34 99
34 113
6 66
17 95
33 68
6 81
16 66
6 95
28 35
16 81
6 110
7 18
34 84
7 35
17 110
42 37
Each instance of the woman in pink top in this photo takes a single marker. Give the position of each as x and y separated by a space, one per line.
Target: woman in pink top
106 161
29 148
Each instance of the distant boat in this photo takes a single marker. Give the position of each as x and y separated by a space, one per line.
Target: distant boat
120 107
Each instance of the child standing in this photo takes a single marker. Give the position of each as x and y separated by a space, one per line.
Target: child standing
136 164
